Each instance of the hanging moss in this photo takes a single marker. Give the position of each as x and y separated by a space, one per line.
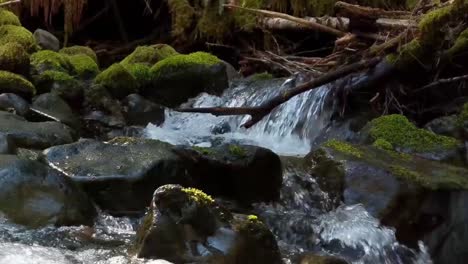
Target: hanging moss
149 54
12 33
400 132
85 67
14 83
14 58
182 16
80 50
117 80
8 18
45 60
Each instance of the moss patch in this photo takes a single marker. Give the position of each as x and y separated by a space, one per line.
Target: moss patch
343 147
204 151
14 83
14 58
141 73
8 18
12 33
261 76
382 144
451 180
460 46
117 80
400 132
45 60
85 66
182 16
46 80
181 61
237 151
80 50
198 196
149 55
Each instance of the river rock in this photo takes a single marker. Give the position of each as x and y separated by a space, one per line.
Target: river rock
46 40
35 135
186 225
180 77
13 103
6 144
140 112
422 199
446 125
53 107
122 174
34 195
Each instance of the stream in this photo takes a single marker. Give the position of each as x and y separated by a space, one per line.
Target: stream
302 220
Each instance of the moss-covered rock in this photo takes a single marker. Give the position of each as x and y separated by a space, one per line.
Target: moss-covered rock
14 58
80 50
141 72
186 216
47 60
118 81
404 136
149 55
62 84
84 66
14 83
181 77
8 18
12 33
261 76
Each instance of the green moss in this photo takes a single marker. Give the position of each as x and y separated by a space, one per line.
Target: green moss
209 29
253 218
460 46
343 147
261 76
12 33
123 141
50 60
149 54
237 151
463 116
117 80
451 179
49 78
408 55
141 73
80 50
182 16
204 151
14 58
84 66
382 144
400 132
198 196
14 83
180 61
431 25
8 18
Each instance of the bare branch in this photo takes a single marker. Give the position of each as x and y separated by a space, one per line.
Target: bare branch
442 82
10 2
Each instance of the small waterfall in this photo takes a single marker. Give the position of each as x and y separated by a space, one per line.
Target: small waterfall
289 129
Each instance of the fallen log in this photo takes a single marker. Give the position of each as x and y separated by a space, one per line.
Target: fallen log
259 112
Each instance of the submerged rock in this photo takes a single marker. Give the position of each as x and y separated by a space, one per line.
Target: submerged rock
121 175
186 225
180 77
35 135
422 199
34 195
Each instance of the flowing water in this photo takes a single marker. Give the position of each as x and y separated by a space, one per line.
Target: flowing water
301 220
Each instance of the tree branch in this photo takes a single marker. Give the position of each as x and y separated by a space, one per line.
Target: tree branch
442 82
10 2
259 112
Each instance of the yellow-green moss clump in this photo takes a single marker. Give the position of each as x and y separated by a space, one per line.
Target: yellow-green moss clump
46 80
8 18
118 81
182 16
141 72
261 76
14 83
460 46
84 66
237 151
401 133
343 147
14 58
149 55
80 50
382 144
181 61
198 196
12 33
204 151
45 60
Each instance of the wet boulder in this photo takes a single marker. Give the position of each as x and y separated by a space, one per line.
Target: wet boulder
180 77
446 125
13 103
421 199
46 40
51 107
14 58
35 135
405 137
62 84
186 225
35 195
47 60
17 84
122 174
140 112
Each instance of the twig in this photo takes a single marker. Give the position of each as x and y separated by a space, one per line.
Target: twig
310 24
258 113
442 82
10 2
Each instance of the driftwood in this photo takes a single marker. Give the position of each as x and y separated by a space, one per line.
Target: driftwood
258 113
